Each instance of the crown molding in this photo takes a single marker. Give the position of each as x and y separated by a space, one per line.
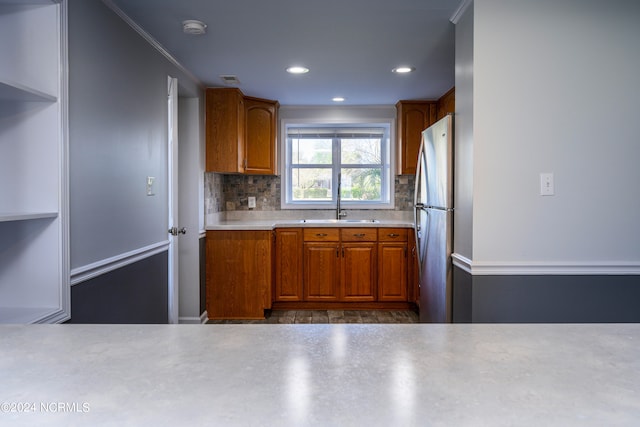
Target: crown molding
464 4
152 41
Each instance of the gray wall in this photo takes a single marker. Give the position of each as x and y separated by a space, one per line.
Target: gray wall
547 86
117 137
132 294
545 299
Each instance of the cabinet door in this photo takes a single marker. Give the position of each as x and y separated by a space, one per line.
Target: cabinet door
359 272
238 274
225 123
447 103
392 265
321 271
288 283
260 136
413 118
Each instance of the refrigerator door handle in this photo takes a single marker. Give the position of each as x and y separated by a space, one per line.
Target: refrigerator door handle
426 234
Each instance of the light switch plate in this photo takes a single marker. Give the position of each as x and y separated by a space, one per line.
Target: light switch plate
251 202
547 184
150 190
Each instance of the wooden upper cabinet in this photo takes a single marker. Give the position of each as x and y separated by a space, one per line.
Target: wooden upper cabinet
413 118
447 103
225 121
260 136
241 133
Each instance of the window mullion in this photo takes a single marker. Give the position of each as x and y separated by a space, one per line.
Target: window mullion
336 168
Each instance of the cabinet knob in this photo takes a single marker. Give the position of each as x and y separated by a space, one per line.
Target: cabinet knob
393 235
359 235
321 234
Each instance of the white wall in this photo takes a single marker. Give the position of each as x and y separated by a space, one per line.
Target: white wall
463 123
191 203
556 89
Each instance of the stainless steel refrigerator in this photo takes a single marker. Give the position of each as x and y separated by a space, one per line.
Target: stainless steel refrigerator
433 205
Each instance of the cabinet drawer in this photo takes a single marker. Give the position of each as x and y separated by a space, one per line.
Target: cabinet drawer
321 235
393 234
359 234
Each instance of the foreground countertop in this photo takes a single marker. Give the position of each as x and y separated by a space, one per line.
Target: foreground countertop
321 375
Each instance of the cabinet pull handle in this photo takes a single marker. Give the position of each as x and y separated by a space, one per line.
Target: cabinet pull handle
321 234
393 235
359 235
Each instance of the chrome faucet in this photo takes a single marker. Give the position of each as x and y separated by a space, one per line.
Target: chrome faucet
339 212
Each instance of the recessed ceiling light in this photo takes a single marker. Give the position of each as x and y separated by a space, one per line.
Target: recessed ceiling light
297 70
338 99
403 70
192 26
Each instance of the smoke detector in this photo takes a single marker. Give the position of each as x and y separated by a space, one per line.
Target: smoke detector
192 26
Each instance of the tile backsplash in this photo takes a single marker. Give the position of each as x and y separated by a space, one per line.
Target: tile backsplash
230 192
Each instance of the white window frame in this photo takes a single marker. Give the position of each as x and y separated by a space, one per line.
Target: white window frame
388 162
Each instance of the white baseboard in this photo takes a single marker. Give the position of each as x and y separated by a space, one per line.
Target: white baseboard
190 320
535 268
204 317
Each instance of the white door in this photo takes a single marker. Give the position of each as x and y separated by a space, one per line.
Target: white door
172 173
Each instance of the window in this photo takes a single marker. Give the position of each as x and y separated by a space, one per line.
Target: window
321 158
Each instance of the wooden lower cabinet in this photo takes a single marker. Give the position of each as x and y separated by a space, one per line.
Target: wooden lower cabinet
393 261
358 268
248 271
288 265
392 267
238 274
321 271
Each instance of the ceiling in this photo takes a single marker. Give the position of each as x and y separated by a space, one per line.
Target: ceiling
350 46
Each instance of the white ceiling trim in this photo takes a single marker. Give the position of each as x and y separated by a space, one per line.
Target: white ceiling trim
464 4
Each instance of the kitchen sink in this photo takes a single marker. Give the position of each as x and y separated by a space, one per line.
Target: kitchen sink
338 221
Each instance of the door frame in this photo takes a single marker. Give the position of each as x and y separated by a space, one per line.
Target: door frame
172 192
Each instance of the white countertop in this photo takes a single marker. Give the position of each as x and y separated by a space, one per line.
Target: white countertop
268 220
275 223
321 375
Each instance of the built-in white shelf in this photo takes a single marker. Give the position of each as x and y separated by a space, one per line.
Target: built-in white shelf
24 216
16 92
34 268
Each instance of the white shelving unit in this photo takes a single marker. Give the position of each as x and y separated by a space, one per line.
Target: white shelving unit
34 265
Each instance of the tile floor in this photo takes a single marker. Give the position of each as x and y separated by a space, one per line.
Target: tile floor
330 316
